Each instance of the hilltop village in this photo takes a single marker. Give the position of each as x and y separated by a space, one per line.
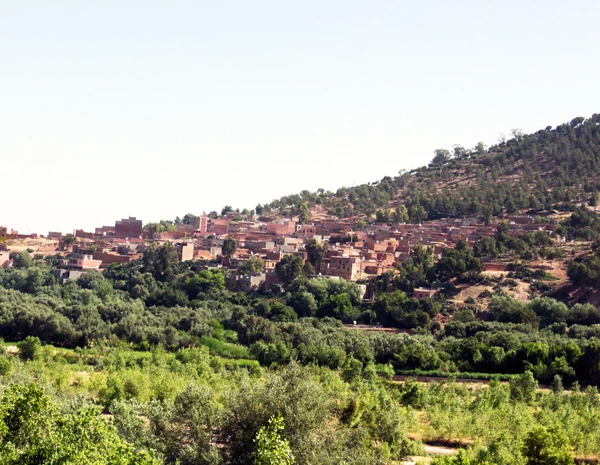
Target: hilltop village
351 249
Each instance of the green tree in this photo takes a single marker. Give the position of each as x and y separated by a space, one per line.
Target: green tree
189 219
22 260
442 156
153 229
315 251
271 449
418 214
456 262
303 213
69 239
401 214
289 268
254 264
30 348
161 261
557 385
34 432
229 247
543 446
182 429
523 387
290 392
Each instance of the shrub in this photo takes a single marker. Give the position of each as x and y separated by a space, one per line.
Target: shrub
30 348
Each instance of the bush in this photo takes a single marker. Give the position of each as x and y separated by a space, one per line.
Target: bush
30 348
523 387
5 365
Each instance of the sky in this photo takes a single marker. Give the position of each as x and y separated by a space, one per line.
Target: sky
156 109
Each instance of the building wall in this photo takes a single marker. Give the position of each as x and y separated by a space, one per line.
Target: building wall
107 258
284 228
186 251
128 227
494 266
347 268
423 293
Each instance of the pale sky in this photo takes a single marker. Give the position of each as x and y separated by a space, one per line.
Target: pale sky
155 109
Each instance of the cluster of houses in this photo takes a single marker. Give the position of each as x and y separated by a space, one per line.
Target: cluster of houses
355 251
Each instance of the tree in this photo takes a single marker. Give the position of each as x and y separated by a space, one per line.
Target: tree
182 429
290 392
523 387
289 268
229 247
456 262
204 281
153 229
557 385
315 251
418 214
69 239
254 264
271 449
396 309
161 261
33 431
401 214
303 213
22 260
442 156
226 209
547 446
30 348
189 219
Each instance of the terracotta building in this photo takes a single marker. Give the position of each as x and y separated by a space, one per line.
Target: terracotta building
128 227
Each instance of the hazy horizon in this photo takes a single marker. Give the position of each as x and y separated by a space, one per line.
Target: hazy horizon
155 110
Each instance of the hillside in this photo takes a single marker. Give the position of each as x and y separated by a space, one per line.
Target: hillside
537 172
157 360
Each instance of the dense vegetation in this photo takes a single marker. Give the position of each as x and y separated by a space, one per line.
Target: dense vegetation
231 363
188 407
156 362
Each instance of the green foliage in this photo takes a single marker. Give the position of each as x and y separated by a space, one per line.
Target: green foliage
547 447
271 449
289 268
585 270
182 430
154 229
34 432
396 309
229 247
303 213
254 264
30 348
315 251
161 261
22 260
523 388
456 262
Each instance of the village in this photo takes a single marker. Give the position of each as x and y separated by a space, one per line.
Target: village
356 251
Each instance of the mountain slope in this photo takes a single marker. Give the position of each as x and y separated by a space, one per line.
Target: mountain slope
537 172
